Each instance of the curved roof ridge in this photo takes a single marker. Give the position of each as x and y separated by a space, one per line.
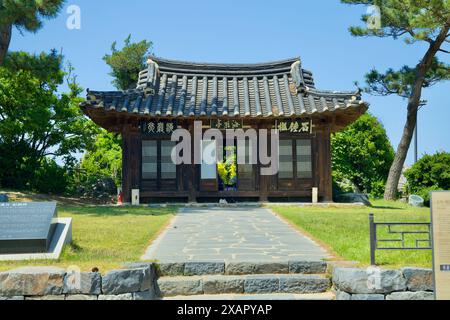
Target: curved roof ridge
314 91
163 61
234 69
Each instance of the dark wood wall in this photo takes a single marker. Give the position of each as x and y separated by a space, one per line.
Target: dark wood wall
266 187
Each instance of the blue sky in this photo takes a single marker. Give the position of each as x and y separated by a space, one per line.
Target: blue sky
248 31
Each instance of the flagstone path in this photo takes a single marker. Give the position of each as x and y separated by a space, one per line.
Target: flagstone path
232 234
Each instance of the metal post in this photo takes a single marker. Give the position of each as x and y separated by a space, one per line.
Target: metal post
373 238
415 144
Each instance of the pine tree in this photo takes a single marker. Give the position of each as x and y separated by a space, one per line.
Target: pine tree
25 15
414 21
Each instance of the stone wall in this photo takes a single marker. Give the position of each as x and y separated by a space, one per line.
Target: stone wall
137 282
379 284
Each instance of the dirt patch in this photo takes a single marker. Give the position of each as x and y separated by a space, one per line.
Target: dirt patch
19 196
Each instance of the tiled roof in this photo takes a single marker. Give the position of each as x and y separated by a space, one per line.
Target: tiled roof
183 89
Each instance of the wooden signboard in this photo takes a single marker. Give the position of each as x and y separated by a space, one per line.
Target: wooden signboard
440 220
158 127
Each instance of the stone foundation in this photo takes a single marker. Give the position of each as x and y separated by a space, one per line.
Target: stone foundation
138 282
373 284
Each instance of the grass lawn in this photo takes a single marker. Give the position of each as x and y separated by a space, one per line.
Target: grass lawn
106 237
345 231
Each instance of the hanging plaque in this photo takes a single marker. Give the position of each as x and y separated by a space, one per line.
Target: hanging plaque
158 127
294 126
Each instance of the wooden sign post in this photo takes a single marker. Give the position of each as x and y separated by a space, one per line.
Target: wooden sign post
440 221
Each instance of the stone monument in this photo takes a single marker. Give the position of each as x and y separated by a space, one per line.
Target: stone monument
27 227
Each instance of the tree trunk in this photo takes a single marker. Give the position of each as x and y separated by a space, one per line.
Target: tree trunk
5 39
411 120
402 151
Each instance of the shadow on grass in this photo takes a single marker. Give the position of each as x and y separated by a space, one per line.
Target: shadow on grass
104 211
387 207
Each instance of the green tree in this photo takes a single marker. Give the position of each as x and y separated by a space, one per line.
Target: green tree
414 21
35 121
25 15
362 154
104 158
127 62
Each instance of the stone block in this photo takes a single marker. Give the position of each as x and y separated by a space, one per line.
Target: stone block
32 281
368 296
171 269
303 284
149 277
49 297
80 297
169 287
271 268
223 285
418 279
124 296
203 268
239 268
341 295
85 283
124 281
408 295
14 298
356 281
307 267
144 295
261 284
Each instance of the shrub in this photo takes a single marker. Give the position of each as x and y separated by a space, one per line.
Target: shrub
425 194
432 171
50 178
362 154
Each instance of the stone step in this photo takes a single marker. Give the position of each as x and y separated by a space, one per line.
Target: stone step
274 296
242 284
241 268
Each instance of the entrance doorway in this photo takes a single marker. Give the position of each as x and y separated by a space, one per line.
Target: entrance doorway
235 171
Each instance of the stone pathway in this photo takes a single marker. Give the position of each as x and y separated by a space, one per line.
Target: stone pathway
231 234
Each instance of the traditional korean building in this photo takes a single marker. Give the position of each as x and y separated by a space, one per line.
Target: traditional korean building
173 94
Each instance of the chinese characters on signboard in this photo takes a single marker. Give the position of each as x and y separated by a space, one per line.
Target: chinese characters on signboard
226 124
294 126
158 127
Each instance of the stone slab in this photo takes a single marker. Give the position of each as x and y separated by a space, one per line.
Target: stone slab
61 237
26 227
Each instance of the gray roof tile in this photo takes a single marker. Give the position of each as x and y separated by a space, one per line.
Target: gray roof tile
183 89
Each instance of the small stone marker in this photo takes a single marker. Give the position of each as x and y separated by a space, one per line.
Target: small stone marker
315 195
440 220
26 227
135 197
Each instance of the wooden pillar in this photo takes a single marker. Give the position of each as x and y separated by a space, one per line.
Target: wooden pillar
191 169
126 190
131 161
264 181
328 183
323 163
